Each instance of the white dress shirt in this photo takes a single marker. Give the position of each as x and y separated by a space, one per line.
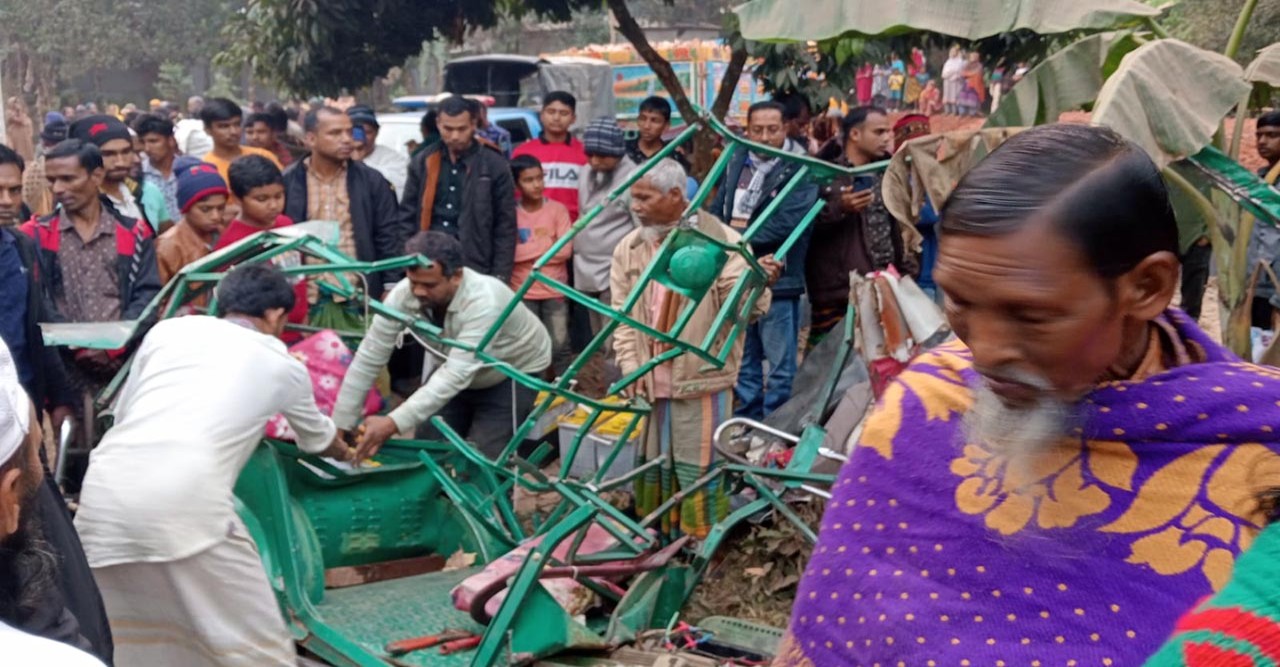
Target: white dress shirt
195 405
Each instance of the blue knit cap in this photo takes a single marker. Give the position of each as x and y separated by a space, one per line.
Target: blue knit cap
197 182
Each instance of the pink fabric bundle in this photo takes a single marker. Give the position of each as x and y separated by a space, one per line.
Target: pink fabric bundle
327 359
572 596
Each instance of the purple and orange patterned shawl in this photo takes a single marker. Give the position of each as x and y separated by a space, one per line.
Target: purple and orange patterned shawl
936 552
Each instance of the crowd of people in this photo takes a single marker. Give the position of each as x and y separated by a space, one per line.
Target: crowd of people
105 212
1059 290
967 88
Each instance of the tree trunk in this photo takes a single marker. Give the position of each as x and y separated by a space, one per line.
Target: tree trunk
705 141
661 68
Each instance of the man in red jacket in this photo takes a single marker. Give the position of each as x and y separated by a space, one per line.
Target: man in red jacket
562 156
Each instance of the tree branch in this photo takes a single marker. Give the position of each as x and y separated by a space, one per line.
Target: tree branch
630 29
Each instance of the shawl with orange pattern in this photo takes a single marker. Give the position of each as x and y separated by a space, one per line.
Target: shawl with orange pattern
934 551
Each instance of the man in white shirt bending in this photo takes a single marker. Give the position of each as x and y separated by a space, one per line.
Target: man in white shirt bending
179 573
477 401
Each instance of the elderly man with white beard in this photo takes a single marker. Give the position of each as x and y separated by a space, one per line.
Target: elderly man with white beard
1074 473
688 400
28 566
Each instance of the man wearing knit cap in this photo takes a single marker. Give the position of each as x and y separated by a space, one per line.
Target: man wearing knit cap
131 198
202 198
21 546
608 166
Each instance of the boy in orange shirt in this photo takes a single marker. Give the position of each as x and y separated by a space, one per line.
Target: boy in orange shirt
540 222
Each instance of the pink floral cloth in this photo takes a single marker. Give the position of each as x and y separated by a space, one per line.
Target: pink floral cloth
327 359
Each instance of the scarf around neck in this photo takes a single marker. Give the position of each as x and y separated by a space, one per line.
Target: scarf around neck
761 166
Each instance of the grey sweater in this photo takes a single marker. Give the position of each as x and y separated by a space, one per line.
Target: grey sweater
593 246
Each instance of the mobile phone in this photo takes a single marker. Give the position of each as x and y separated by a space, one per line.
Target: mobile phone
357 133
861 183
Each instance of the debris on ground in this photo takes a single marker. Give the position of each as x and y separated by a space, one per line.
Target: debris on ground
755 578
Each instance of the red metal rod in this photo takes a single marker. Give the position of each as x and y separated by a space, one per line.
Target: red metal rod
460 645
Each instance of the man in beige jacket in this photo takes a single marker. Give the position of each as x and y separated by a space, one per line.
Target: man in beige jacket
688 402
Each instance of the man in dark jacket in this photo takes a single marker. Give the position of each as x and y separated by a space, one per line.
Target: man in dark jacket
751 184
464 187
854 232
71 612
329 185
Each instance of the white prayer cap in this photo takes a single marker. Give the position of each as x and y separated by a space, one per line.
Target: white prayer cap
15 408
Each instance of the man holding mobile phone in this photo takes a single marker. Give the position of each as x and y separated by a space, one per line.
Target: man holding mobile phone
854 232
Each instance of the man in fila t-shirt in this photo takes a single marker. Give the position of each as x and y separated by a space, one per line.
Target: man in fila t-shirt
561 155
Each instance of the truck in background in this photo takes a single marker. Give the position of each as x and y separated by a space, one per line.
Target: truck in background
700 66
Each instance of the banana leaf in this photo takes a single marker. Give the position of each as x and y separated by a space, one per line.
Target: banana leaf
1170 97
1266 67
1067 80
788 20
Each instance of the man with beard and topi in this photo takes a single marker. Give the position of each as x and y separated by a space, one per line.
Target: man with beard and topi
1081 467
28 566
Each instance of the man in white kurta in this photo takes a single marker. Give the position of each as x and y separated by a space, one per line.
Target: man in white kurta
180 575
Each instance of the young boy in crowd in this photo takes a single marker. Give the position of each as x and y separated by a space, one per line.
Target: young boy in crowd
202 199
259 185
897 81
540 222
562 156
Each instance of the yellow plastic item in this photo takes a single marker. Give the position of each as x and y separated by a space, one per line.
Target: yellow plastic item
555 403
610 424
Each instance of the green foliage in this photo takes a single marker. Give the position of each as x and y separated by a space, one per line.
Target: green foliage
1208 24
69 38
173 82
314 47
222 86
1068 79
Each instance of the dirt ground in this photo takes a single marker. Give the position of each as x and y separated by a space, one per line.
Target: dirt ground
757 572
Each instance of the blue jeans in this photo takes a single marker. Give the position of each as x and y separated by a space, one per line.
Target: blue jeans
772 338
